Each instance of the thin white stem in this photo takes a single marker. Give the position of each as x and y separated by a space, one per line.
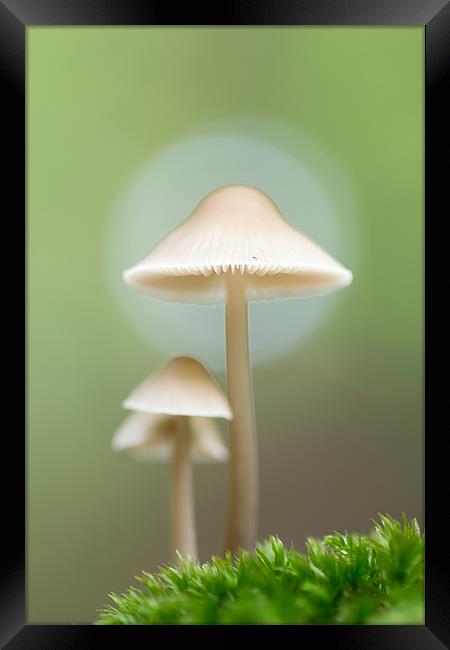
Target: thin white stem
184 535
243 488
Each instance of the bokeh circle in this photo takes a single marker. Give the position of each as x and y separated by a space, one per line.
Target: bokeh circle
311 190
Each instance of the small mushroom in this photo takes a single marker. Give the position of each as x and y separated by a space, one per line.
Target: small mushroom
235 247
181 387
174 422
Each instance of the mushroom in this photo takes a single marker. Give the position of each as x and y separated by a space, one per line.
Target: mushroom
235 247
174 422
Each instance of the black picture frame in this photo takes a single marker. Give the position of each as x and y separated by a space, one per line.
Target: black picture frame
15 17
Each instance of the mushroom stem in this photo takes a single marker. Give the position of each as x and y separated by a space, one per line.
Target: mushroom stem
183 514
243 488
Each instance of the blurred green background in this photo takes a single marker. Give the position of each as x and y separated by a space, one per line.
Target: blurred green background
340 416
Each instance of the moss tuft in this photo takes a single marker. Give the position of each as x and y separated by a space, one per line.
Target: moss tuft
343 578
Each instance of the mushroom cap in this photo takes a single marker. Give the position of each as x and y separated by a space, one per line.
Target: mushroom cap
181 387
207 441
236 229
145 428
150 437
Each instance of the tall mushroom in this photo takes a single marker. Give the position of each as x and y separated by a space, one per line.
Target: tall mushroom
235 247
171 419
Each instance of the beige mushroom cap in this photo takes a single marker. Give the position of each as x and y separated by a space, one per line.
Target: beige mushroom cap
139 428
236 229
207 441
150 437
181 387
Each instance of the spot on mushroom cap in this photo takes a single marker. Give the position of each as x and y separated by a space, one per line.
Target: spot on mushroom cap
181 387
236 229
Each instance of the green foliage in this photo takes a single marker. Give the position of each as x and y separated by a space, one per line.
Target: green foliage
375 579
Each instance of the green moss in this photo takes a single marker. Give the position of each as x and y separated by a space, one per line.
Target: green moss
375 579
